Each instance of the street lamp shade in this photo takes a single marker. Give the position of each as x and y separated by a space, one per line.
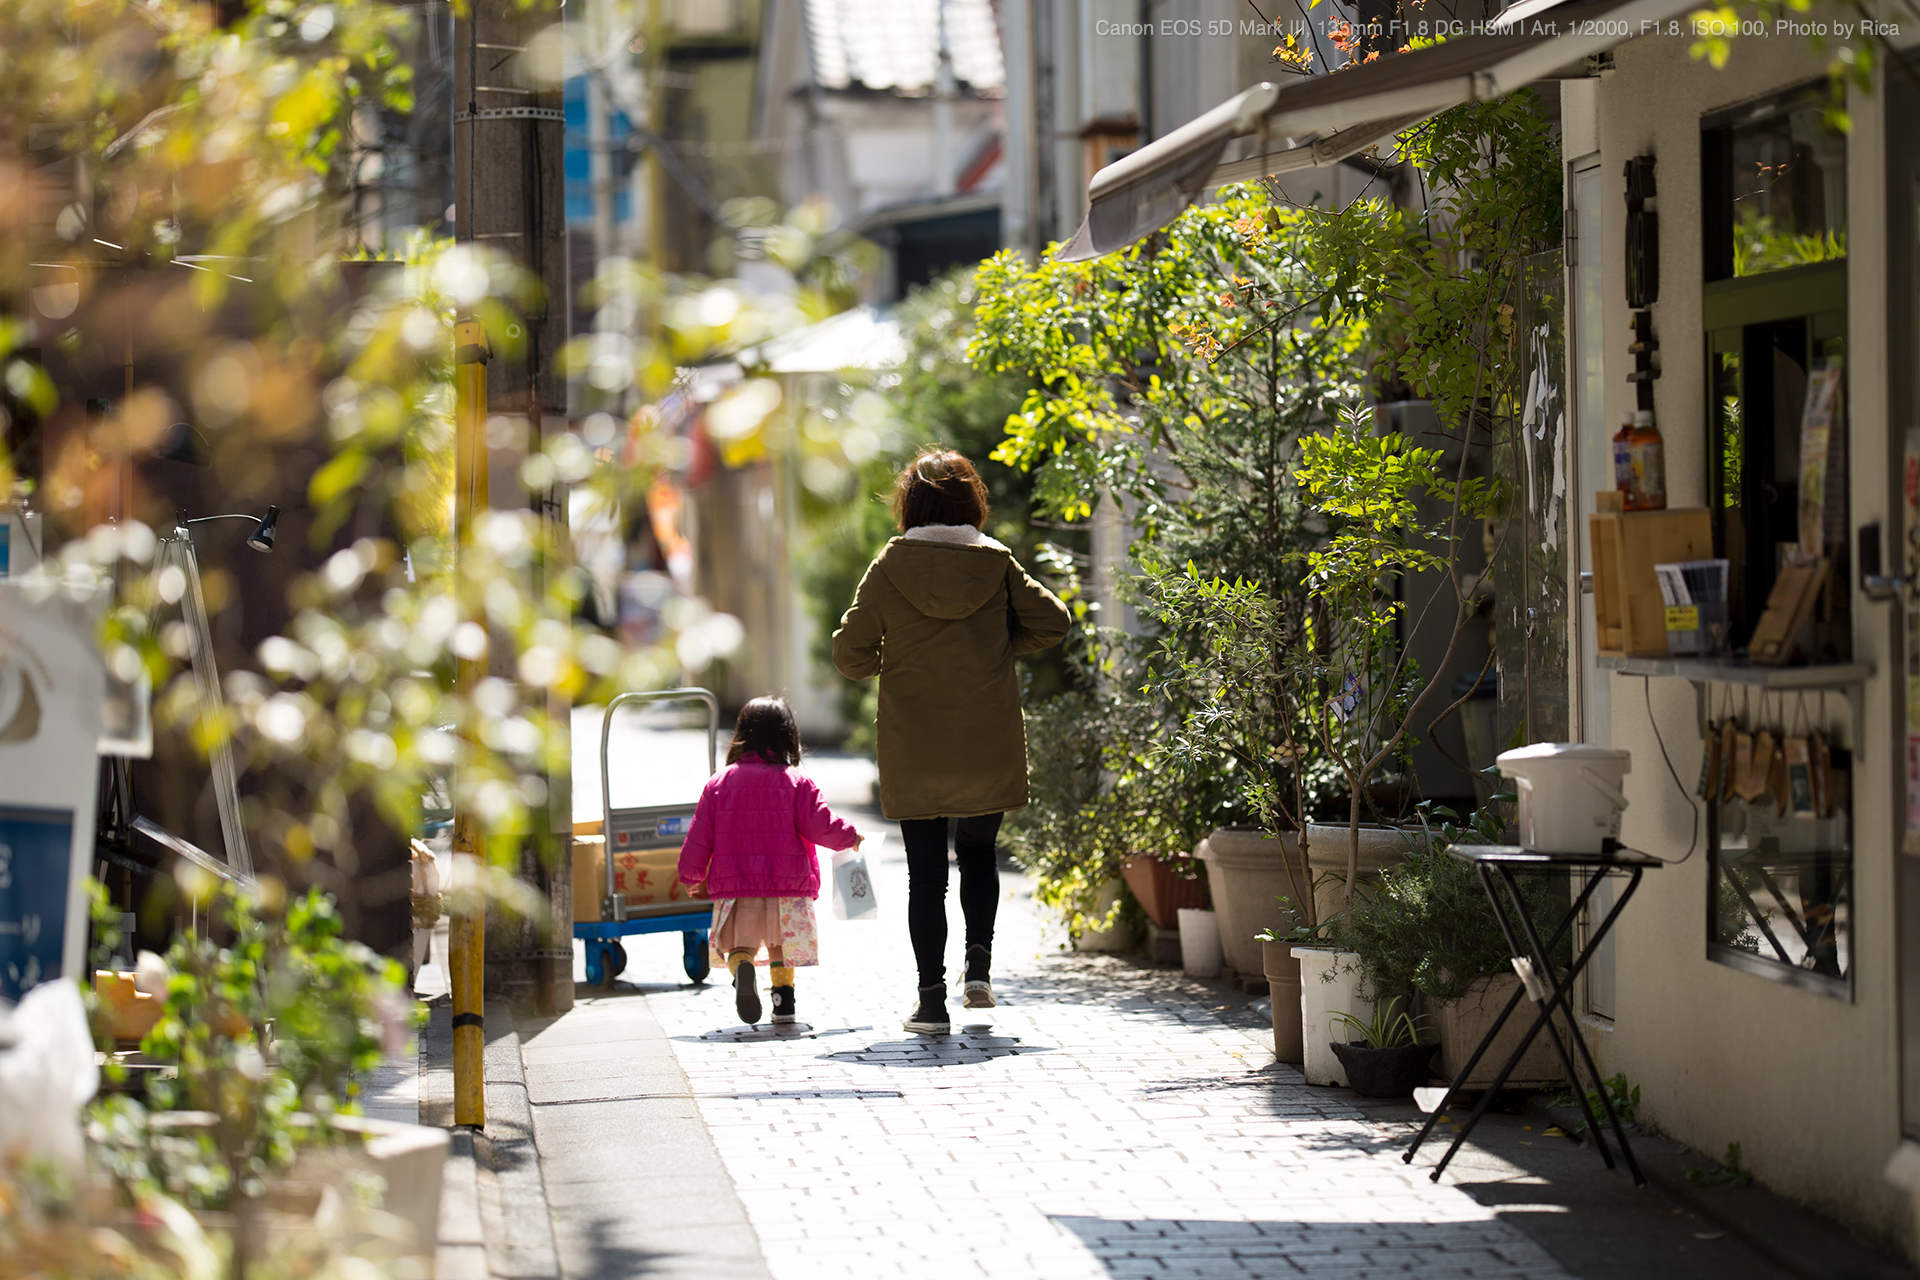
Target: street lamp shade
261 539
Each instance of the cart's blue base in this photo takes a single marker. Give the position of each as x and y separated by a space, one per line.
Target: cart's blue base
606 957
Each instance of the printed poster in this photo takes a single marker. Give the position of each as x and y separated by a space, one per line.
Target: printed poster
1817 422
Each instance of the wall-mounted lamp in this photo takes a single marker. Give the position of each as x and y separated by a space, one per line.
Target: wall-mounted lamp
261 539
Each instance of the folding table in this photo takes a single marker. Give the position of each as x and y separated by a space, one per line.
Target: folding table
1549 989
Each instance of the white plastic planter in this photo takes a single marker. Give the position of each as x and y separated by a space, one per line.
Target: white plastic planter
1199 942
1570 794
1329 984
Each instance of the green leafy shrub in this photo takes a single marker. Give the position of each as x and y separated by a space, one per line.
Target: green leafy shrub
1426 926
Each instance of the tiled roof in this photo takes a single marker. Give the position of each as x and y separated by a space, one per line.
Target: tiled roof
895 44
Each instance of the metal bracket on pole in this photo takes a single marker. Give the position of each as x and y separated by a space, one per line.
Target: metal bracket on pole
510 113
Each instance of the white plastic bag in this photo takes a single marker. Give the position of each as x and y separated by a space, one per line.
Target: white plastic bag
47 1073
853 887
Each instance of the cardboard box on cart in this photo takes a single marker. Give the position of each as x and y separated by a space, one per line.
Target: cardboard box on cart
646 877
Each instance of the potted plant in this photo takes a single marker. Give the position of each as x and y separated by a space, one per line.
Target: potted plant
1426 931
1388 1060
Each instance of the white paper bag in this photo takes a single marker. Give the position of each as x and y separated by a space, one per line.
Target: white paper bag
853 887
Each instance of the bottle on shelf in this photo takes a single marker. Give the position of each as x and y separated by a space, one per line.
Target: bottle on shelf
1649 465
1623 459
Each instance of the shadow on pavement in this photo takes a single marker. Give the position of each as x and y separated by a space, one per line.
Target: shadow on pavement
1202 1249
744 1034
966 1049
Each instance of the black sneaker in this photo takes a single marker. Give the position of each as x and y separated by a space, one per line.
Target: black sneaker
930 1019
746 995
782 1005
976 991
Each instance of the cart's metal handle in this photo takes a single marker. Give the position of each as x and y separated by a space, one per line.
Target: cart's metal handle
606 731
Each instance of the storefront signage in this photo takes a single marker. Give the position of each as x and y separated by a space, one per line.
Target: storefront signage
51 686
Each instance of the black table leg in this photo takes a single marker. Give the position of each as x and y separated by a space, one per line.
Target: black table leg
1542 964
1562 993
1486 1041
1558 998
1526 1041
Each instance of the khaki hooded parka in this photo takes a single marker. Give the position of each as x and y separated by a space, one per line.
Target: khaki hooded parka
940 623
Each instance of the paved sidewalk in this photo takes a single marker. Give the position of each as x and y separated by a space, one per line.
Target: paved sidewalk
1108 1121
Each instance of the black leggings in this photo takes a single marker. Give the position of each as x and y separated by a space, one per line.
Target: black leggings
926 841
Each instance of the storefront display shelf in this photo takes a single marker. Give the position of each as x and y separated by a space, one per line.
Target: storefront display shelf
1846 678
1738 671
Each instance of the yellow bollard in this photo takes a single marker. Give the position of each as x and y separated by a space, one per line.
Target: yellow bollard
466 955
467 930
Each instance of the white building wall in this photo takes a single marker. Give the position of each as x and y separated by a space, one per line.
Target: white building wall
1807 1085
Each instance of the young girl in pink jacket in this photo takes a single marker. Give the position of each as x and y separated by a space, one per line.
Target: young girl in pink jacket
752 845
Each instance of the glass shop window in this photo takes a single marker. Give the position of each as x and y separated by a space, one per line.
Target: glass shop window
1774 305
1774 187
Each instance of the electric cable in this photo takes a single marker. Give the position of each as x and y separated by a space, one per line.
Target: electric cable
1646 689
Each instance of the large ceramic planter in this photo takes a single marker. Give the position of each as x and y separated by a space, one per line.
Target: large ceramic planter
1162 891
1249 879
1282 968
1463 1023
1329 984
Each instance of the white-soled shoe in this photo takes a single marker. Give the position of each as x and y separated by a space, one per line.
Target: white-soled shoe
976 992
930 1017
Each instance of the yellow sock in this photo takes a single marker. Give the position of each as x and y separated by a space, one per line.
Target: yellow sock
737 957
782 976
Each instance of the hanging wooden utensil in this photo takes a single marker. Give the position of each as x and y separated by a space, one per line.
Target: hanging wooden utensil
1821 764
1728 757
1743 785
1799 757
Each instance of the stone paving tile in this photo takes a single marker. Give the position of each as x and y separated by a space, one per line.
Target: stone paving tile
1107 1121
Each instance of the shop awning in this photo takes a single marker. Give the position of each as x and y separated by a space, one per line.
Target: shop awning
1320 120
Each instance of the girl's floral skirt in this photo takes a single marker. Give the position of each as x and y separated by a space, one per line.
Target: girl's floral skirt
762 923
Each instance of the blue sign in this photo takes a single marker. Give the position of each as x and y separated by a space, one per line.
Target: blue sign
36 854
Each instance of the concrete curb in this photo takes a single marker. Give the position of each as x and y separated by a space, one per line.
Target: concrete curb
494 1220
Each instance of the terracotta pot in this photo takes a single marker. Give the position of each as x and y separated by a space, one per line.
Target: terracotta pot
1282 968
1162 891
1248 878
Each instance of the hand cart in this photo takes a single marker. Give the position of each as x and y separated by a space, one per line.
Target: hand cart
650 827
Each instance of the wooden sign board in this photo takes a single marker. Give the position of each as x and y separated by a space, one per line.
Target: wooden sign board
51 686
1790 607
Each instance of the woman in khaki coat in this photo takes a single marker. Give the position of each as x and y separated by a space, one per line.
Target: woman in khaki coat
939 617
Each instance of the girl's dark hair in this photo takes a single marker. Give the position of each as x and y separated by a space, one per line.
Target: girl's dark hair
765 729
939 487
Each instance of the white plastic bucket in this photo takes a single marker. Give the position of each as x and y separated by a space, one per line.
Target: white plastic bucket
1570 794
1199 942
1329 985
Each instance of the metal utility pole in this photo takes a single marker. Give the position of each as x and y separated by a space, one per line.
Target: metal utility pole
508 136
466 930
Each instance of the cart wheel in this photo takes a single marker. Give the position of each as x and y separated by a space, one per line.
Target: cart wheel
611 963
694 955
619 958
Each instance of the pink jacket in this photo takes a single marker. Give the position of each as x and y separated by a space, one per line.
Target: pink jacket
754 832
